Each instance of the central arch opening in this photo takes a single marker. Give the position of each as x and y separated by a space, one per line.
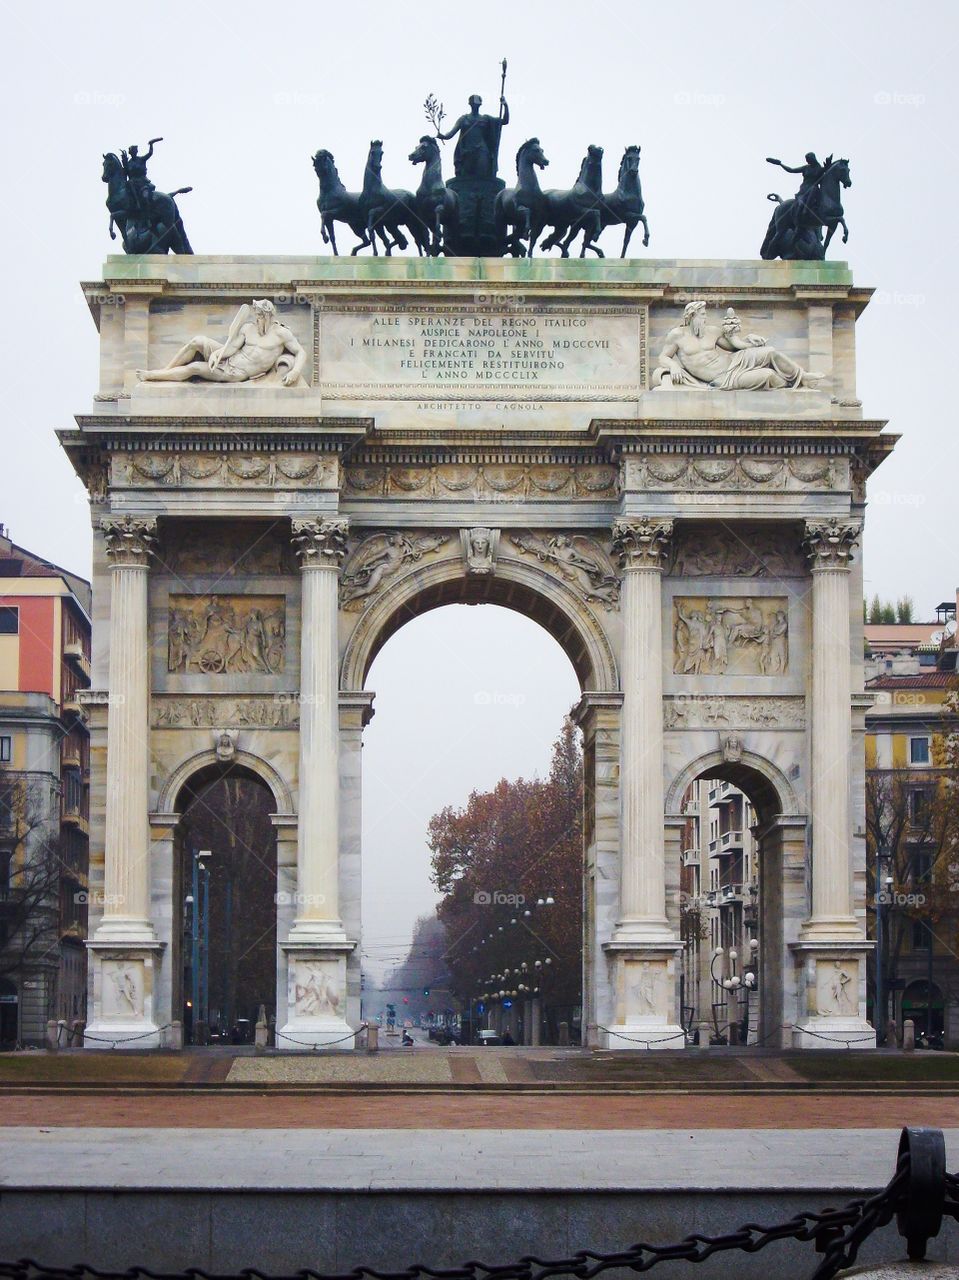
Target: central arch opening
465 882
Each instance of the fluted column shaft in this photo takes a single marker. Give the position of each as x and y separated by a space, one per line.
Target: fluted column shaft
126 886
829 545
642 546
321 546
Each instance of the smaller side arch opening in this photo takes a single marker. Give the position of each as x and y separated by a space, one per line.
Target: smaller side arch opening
225 891
740 839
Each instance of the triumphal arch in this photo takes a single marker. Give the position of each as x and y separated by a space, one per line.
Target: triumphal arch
663 463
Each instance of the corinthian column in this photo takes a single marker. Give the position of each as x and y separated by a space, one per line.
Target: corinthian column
829 546
321 547
642 546
317 947
126 886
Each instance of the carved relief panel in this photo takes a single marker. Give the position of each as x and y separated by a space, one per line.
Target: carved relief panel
734 635
225 634
121 996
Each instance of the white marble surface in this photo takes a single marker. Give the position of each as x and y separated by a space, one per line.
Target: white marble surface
764 1160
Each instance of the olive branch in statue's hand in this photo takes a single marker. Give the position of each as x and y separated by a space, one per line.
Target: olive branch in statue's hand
434 112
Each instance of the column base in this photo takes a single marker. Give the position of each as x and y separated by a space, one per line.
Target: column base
645 983
316 995
123 1010
121 932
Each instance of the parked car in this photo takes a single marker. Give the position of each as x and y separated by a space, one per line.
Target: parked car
487 1038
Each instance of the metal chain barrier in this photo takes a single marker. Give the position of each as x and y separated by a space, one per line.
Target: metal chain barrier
328 1044
918 1196
127 1039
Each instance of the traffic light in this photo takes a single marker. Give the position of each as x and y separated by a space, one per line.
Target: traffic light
426 991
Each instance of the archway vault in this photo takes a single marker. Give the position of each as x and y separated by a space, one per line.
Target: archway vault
522 587
770 791
187 769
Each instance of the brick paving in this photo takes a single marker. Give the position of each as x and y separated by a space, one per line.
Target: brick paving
469 1110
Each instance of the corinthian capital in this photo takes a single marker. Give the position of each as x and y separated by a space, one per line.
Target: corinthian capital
642 543
320 544
129 539
829 544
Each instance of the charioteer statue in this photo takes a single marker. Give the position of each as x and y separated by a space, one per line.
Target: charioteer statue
475 164
477 148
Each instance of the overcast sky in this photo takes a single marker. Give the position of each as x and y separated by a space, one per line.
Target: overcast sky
245 93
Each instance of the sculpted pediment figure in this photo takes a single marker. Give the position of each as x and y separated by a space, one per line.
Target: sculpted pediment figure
723 358
258 348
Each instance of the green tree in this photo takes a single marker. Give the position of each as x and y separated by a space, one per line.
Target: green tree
875 610
904 609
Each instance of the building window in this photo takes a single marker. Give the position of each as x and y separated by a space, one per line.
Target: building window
920 936
918 806
6 749
9 620
918 750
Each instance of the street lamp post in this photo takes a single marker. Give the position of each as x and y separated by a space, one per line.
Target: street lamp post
200 938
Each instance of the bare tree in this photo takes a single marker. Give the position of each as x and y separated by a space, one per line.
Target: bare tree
31 865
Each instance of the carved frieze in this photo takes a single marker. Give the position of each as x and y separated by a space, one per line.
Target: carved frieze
743 551
735 473
150 470
379 559
279 711
489 482
699 711
579 560
740 636
222 634
225 550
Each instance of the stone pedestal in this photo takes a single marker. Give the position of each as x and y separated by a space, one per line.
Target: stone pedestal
125 944
646 993
316 1000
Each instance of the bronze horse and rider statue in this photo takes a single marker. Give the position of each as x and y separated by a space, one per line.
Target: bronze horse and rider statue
796 227
148 220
